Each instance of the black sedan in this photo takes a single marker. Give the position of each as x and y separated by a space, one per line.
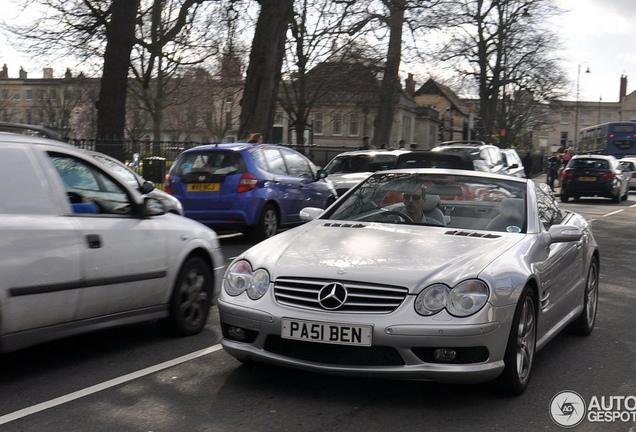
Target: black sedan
594 175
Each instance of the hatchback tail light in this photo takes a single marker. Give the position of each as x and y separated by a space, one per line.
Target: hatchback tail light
608 176
567 174
166 184
247 183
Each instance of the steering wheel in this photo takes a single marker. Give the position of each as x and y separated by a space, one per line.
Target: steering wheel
401 215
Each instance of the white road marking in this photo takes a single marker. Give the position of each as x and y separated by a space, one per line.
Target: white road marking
105 385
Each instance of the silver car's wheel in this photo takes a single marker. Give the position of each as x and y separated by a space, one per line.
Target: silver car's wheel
521 347
191 298
585 323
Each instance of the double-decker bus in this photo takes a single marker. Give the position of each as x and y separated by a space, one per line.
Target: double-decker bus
614 138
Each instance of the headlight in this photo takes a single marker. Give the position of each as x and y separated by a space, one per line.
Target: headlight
463 300
467 298
432 299
240 277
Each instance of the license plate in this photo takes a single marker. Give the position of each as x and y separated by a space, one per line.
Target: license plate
333 333
587 178
204 187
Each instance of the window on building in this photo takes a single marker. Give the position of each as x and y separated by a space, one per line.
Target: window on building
15 116
28 115
278 118
318 124
565 117
336 123
4 115
607 117
586 118
564 139
28 94
354 125
41 95
16 94
5 94
41 117
53 94
228 120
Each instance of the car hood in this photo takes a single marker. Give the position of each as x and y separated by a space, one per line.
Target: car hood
403 255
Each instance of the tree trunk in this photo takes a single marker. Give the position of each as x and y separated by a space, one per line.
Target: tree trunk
258 106
111 115
390 87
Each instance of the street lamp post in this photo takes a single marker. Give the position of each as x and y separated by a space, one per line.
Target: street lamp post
576 110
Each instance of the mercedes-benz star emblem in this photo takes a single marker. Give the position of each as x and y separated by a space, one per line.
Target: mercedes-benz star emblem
332 296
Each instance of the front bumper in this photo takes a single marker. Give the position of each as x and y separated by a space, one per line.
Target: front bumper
400 351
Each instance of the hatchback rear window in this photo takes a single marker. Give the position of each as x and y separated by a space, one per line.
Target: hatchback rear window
213 162
590 163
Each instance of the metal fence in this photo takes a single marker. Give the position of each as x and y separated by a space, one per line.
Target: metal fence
153 159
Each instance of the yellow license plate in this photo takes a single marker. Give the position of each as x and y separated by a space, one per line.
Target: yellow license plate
587 178
204 187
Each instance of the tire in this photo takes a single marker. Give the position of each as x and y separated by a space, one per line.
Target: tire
584 324
267 224
617 198
522 344
564 198
191 298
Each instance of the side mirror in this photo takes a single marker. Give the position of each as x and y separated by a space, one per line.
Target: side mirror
310 213
147 187
322 174
564 233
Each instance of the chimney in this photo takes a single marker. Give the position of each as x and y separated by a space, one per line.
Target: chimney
23 73
409 85
47 73
623 88
4 73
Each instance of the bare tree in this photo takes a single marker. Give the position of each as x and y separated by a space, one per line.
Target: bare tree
318 34
258 106
507 49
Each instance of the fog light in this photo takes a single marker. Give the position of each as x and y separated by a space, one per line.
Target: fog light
236 333
445 354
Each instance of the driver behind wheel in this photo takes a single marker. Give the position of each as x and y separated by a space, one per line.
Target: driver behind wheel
413 204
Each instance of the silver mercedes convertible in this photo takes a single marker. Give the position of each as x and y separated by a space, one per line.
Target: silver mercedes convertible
445 275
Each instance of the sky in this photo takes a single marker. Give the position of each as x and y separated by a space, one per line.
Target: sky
595 34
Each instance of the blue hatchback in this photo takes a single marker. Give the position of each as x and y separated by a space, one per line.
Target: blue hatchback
255 188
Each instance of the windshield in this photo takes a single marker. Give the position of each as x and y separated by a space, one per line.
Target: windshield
121 171
457 201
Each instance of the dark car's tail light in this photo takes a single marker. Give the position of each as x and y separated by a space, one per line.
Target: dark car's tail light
166 184
247 183
567 174
608 176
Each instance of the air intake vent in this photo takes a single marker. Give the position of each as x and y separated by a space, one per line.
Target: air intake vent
344 225
471 234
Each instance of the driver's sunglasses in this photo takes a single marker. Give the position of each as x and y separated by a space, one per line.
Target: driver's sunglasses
412 197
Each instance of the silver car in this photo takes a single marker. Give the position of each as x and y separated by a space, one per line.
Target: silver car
369 287
82 250
350 168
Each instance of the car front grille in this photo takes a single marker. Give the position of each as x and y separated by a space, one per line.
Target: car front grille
361 297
